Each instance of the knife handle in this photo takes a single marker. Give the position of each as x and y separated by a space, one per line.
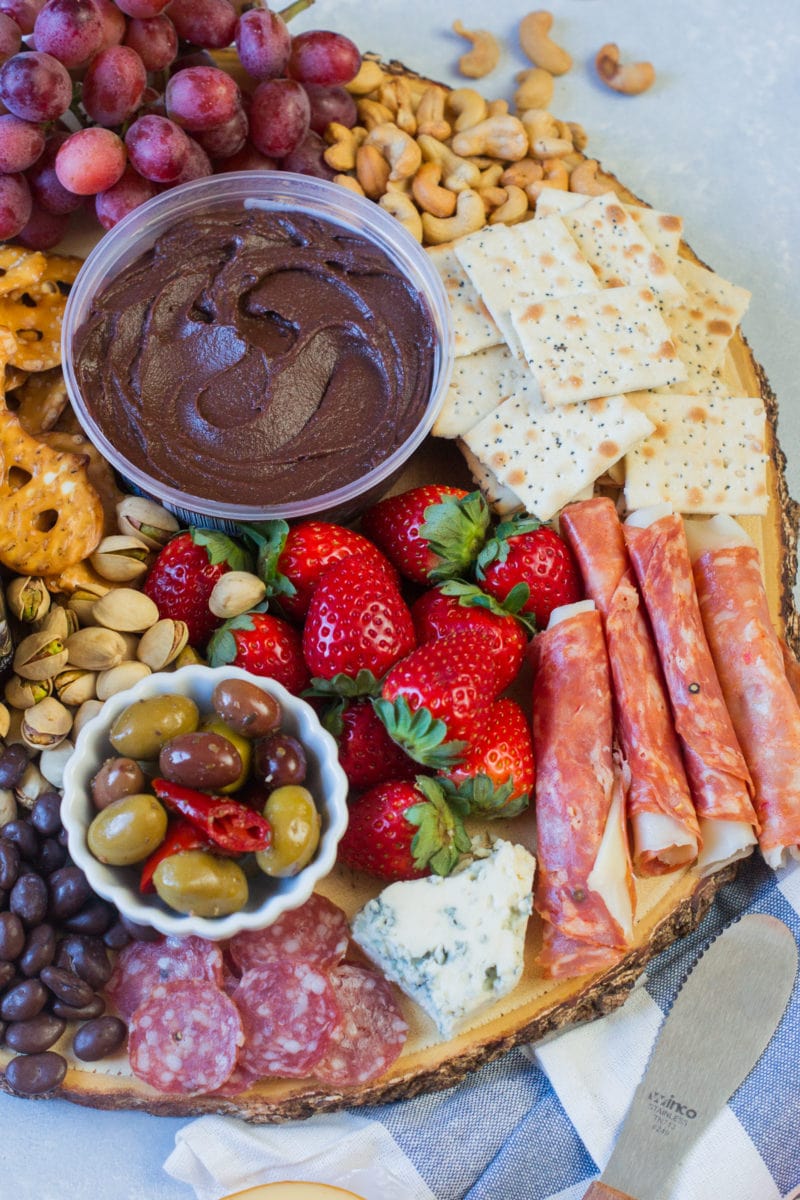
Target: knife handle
601 1191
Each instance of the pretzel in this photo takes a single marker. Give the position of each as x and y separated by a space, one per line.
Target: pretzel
50 514
37 327
70 439
40 400
21 269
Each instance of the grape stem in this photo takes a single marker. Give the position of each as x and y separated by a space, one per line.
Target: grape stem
292 10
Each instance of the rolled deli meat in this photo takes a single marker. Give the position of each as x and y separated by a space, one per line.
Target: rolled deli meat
584 890
715 766
750 664
664 824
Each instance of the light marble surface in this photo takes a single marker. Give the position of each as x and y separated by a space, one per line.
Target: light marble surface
717 139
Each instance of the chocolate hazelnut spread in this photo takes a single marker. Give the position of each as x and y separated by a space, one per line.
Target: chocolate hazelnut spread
257 357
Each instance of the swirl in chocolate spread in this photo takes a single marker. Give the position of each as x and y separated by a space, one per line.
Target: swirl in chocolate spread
256 357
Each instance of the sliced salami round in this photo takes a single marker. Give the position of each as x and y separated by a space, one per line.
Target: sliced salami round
372 1031
141 966
288 1011
185 1037
316 932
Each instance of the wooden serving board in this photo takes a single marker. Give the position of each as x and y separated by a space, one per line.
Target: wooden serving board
668 907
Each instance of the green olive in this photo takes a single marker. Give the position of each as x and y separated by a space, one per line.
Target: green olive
128 830
197 882
213 724
143 727
295 823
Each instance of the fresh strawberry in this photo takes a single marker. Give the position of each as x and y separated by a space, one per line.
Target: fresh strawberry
435 701
404 830
264 644
367 754
291 559
357 620
183 575
529 569
496 775
458 607
430 533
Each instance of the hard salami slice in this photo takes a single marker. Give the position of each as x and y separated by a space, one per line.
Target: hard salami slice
663 821
316 932
372 1031
185 1037
141 966
289 1011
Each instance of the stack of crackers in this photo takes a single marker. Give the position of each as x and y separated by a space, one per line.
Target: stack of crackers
588 350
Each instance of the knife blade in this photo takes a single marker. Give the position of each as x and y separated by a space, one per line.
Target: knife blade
721 1022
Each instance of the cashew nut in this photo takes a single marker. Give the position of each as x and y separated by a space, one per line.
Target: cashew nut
484 55
432 198
587 180
497 108
628 78
399 149
498 137
369 78
490 176
513 209
350 182
580 138
522 173
372 171
372 113
470 216
396 95
535 89
403 208
539 47
457 173
554 175
492 197
544 135
430 114
467 106
341 154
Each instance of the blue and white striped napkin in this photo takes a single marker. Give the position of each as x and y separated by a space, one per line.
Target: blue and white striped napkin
539 1124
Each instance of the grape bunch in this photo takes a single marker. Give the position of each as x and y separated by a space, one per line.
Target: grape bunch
106 103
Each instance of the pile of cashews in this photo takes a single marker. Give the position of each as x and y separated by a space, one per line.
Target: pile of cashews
445 162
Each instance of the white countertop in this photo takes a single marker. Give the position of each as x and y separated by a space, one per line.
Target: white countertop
716 140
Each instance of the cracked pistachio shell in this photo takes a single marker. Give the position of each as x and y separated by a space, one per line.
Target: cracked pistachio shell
40 655
58 622
125 610
24 693
236 592
75 685
146 520
81 605
121 558
46 724
28 598
120 678
162 643
96 648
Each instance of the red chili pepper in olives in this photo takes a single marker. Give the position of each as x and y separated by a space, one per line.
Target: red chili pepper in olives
231 826
181 835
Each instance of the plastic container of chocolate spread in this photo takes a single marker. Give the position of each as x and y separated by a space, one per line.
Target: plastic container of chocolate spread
257 345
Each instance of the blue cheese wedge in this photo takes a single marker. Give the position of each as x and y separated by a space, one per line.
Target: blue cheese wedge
454 944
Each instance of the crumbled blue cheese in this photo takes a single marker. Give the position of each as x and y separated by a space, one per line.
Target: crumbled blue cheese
453 944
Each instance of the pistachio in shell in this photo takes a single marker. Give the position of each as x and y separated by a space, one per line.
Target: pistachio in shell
120 678
86 712
5 720
82 603
146 520
32 785
46 724
236 592
74 685
40 655
58 622
24 693
95 648
121 558
28 598
162 643
53 760
8 806
125 610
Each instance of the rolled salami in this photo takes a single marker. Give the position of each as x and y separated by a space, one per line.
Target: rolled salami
663 821
715 767
584 891
751 670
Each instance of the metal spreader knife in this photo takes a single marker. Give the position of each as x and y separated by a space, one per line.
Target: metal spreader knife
718 1027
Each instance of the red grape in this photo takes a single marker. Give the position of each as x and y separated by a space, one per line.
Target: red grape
47 192
22 12
224 140
263 43
155 41
113 23
90 161
207 23
35 86
198 164
247 159
322 57
279 117
10 36
201 97
15 204
306 158
330 104
114 85
142 8
130 190
21 143
44 230
158 148
71 30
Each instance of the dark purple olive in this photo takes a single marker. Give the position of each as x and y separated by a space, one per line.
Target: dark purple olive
279 759
203 760
246 707
116 778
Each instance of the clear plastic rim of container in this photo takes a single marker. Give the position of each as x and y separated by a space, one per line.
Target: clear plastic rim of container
136 232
